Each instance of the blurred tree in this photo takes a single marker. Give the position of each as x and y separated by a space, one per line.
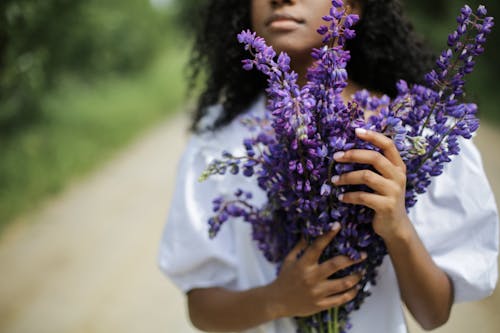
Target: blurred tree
187 14
25 27
40 41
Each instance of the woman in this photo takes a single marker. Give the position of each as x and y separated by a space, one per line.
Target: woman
433 260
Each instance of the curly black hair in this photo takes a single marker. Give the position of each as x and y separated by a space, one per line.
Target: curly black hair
386 49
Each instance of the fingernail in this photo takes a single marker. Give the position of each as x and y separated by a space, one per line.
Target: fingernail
335 179
338 155
364 255
335 226
360 131
341 197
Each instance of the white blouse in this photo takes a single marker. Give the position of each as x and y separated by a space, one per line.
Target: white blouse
456 219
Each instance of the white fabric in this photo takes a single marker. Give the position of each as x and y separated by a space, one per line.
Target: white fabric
457 220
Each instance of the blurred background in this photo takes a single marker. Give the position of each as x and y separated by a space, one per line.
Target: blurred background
92 123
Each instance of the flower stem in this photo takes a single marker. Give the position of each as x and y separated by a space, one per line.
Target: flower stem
330 322
336 320
302 325
321 325
429 155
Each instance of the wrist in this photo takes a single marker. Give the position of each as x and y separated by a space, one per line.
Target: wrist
400 234
274 305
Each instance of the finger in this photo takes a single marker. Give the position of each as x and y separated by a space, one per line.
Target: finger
374 201
384 143
338 286
336 264
294 253
338 299
314 251
366 177
363 156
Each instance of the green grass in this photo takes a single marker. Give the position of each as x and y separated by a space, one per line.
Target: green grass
83 125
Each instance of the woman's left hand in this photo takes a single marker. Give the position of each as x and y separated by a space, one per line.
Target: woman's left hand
389 185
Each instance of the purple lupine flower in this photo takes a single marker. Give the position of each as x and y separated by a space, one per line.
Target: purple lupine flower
290 152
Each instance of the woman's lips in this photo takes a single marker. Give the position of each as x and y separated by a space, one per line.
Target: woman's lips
283 21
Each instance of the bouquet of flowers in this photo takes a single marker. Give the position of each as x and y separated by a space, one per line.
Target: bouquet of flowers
291 150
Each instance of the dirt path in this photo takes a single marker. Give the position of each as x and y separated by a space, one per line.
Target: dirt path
86 262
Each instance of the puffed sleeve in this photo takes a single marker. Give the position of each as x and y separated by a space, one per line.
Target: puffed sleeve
457 220
187 255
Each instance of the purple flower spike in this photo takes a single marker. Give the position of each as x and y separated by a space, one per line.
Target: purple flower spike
290 153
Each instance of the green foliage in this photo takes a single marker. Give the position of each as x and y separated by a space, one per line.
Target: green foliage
78 80
83 125
41 41
435 19
187 14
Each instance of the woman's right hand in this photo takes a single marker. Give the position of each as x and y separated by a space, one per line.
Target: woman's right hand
302 287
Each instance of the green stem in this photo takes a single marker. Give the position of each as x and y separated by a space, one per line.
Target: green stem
439 144
302 325
330 322
321 326
330 171
336 320
428 118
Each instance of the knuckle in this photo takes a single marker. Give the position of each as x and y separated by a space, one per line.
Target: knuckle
333 265
317 294
359 277
402 175
387 143
345 285
379 159
356 278
366 176
363 197
352 281
345 297
349 295
400 191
